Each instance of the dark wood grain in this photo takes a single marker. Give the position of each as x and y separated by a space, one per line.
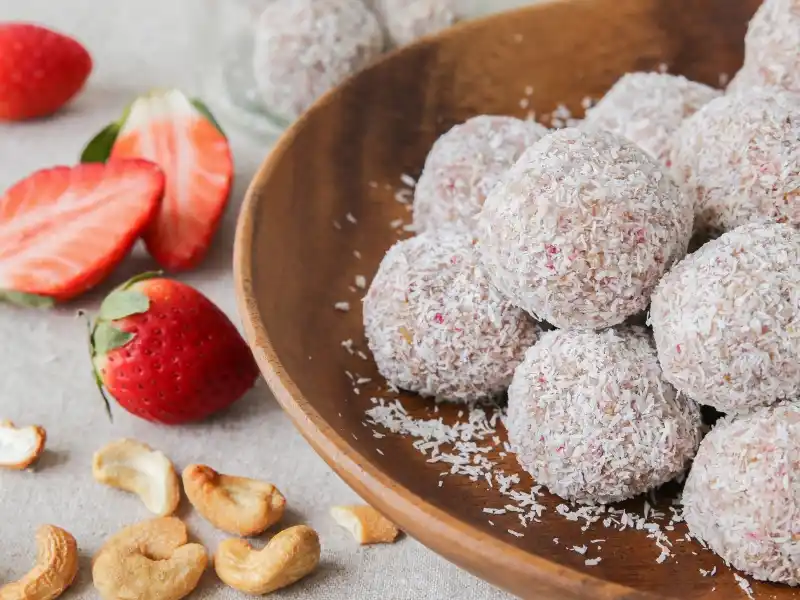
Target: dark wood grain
292 265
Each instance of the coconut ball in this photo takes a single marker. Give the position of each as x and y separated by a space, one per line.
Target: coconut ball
647 109
590 417
771 48
408 20
742 494
739 158
304 48
726 320
465 164
581 229
436 327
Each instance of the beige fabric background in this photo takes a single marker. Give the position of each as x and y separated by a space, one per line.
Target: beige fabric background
45 376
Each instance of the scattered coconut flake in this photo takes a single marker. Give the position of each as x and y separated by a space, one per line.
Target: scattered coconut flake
516 533
361 282
580 549
351 218
342 306
592 562
396 224
408 180
337 225
357 254
744 585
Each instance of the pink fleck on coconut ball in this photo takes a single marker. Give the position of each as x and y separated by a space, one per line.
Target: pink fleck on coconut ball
408 20
739 158
591 418
581 229
771 57
465 164
304 48
434 324
742 495
647 109
726 319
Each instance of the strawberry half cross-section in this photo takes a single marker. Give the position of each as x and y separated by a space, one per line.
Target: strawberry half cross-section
183 138
64 229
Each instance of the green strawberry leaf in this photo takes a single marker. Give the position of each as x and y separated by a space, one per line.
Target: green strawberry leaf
96 374
106 338
123 303
101 145
26 300
99 149
204 110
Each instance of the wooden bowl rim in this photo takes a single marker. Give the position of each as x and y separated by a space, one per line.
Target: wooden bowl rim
409 511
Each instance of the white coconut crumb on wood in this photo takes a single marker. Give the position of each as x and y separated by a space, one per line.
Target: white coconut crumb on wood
361 282
396 224
580 549
516 533
592 562
342 306
357 254
744 585
337 225
408 180
351 218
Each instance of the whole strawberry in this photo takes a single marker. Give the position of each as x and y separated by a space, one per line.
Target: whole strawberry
40 70
167 354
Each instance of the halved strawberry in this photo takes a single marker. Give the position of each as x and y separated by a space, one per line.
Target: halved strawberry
64 229
181 135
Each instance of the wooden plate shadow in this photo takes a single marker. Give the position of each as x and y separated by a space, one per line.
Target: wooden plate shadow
347 156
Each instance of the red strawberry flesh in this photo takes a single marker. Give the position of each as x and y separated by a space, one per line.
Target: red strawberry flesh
64 229
167 128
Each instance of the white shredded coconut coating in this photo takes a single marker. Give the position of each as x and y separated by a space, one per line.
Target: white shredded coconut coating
436 327
739 158
648 108
726 320
465 164
771 57
582 228
742 496
408 20
591 419
304 48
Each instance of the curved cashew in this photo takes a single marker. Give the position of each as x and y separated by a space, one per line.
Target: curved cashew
55 570
151 560
366 524
20 447
234 504
135 467
289 556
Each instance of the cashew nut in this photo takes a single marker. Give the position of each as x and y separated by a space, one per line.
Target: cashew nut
135 467
151 560
55 570
234 504
366 524
290 555
20 447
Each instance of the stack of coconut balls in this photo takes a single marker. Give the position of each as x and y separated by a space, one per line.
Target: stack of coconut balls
537 248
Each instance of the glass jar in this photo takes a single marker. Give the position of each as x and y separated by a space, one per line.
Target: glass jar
228 82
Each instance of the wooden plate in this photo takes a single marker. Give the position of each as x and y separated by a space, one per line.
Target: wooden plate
292 265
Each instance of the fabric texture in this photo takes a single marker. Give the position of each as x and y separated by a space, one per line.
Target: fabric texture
46 377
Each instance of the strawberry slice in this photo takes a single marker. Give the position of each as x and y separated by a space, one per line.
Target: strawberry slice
181 135
64 229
